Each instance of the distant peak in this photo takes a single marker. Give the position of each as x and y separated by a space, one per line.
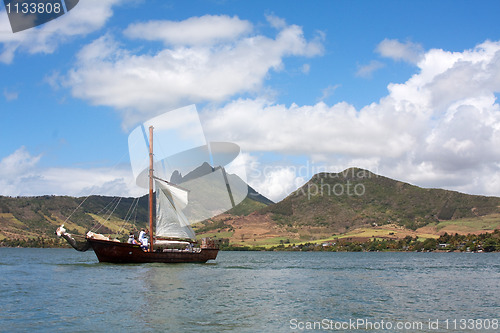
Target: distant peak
202 170
349 173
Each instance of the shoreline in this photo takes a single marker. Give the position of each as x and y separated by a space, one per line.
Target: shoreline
471 243
259 249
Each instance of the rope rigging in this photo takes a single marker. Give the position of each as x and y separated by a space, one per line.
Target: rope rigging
111 213
132 209
102 215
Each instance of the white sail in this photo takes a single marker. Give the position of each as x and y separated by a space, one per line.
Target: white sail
178 194
170 221
183 156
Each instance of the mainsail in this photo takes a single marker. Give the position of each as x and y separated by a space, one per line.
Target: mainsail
171 223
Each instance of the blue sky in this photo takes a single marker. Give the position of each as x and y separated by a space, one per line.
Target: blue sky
406 89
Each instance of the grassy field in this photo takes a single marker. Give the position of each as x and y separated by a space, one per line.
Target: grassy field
464 226
470 225
378 233
10 227
223 234
268 242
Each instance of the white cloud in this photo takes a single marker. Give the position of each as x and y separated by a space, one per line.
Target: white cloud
440 128
277 183
87 16
10 95
141 85
17 163
84 182
276 22
394 49
328 91
366 71
258 125
20 175
204 30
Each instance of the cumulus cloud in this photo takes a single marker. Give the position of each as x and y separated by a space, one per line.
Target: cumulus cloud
139 85
17 163
88 16
259 125
394 49
278 182
20 175
204 30
440 128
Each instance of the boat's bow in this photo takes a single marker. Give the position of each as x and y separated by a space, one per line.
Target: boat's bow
79 245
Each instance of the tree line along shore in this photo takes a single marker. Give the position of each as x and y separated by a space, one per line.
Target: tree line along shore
484 242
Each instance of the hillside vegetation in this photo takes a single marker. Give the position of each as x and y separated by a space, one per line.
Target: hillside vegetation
24 219
32 221
357 197
360 205
354 204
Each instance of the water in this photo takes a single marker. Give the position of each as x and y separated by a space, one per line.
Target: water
64 290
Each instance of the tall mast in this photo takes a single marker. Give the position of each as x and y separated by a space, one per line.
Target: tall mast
151 188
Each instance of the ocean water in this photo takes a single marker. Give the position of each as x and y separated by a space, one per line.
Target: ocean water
50 290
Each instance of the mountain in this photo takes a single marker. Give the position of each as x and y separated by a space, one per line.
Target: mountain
206 169
353 203
203 170
357 197
26 218
334 203
35 219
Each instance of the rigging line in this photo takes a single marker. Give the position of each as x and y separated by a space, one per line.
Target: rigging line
109 216
110 208
134 212
129 210
81 203
107 208
128 216
90 194
116 206
135 216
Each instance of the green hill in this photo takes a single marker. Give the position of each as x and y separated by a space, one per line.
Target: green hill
28 218
354 203
358 205
357 197
32 221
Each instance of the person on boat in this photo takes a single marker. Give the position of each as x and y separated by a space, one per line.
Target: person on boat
144 243
143 240
131 239
142 234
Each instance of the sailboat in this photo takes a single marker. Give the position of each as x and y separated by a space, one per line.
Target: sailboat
172 240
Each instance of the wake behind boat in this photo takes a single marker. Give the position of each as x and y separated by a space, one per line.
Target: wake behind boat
172 240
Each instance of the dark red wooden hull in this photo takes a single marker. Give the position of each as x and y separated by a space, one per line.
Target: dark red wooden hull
124 253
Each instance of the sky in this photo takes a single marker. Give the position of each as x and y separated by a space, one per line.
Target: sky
407 90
